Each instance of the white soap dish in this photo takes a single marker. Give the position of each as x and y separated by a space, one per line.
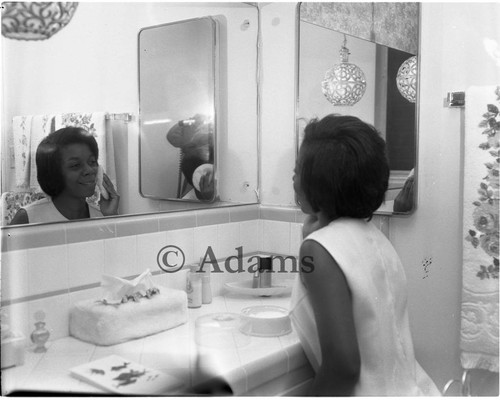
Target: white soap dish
245 287
266 321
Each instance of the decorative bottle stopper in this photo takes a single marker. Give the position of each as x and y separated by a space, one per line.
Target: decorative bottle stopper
40 335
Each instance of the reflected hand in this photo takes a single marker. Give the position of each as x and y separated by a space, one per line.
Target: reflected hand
207 186
109 206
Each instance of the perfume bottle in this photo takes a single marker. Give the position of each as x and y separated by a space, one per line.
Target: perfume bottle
41 334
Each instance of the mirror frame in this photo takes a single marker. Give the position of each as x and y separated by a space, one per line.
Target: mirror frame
215 101
381 211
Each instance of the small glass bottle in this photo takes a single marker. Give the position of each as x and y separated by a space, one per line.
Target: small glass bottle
40 335
206 289
193 288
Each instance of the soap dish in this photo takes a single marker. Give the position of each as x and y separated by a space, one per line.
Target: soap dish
266 321
245 287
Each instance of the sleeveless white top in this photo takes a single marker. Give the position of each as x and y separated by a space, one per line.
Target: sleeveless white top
377 283
44 210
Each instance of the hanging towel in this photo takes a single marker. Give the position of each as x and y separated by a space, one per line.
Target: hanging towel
21 128
480 292
41 126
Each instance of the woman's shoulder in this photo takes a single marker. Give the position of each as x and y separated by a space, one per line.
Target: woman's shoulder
46 201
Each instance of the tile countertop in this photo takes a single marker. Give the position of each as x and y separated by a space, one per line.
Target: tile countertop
264 366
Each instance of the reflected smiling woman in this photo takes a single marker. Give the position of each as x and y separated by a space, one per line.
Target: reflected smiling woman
67 171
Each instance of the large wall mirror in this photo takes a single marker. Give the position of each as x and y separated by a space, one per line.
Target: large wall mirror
362 28
153 74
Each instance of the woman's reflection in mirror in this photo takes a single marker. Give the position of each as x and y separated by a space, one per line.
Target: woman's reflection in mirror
67 170
195 139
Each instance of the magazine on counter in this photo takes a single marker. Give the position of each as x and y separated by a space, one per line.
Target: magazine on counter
119 375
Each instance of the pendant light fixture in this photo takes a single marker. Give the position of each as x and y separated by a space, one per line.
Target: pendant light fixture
406 79
344 84
35 20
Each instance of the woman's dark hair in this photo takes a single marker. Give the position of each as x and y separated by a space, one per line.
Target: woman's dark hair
344 169
49 156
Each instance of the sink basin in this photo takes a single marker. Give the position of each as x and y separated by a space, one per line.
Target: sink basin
245 287
266 321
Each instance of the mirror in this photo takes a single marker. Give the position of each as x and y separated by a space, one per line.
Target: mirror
178 77
382 104
106 81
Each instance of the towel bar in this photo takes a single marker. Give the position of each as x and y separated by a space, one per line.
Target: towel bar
120 117
455 99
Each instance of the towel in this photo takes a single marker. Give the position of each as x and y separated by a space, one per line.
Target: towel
480 292
41 126
21 127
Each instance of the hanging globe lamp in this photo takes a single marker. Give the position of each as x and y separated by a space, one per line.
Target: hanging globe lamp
35 20
406 79
345 83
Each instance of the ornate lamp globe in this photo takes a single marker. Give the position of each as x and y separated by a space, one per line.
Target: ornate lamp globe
406 79
35 20
345 83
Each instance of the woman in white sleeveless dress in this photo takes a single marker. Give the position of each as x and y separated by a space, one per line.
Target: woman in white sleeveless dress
349 304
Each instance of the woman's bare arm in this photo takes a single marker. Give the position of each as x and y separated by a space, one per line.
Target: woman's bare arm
332 304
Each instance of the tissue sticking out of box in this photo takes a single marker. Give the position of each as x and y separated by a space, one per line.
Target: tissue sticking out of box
117 290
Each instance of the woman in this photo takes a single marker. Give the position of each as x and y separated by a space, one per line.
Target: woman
349 306
67 168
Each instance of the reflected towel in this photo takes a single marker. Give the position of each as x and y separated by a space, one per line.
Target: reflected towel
21 128
41 126
479 315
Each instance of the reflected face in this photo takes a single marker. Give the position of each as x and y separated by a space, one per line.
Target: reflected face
79 169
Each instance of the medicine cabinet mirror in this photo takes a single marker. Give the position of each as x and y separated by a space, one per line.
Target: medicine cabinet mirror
355 25
178 77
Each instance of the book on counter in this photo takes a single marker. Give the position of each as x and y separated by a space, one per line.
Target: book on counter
121 376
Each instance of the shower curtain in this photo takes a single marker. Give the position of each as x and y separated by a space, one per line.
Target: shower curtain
480 291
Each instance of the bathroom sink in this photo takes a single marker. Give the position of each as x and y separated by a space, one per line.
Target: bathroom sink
245 287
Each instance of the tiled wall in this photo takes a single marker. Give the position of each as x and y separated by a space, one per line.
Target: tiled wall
52 266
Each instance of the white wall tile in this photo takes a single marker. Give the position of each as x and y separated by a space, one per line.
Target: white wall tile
14 274
85 262
204 237
120 256
275 237
228 237
184 240
148 247
249 236
47 269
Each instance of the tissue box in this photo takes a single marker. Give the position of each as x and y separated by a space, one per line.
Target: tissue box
106 324
13 351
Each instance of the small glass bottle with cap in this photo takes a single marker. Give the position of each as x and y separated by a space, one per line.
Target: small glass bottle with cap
193 287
